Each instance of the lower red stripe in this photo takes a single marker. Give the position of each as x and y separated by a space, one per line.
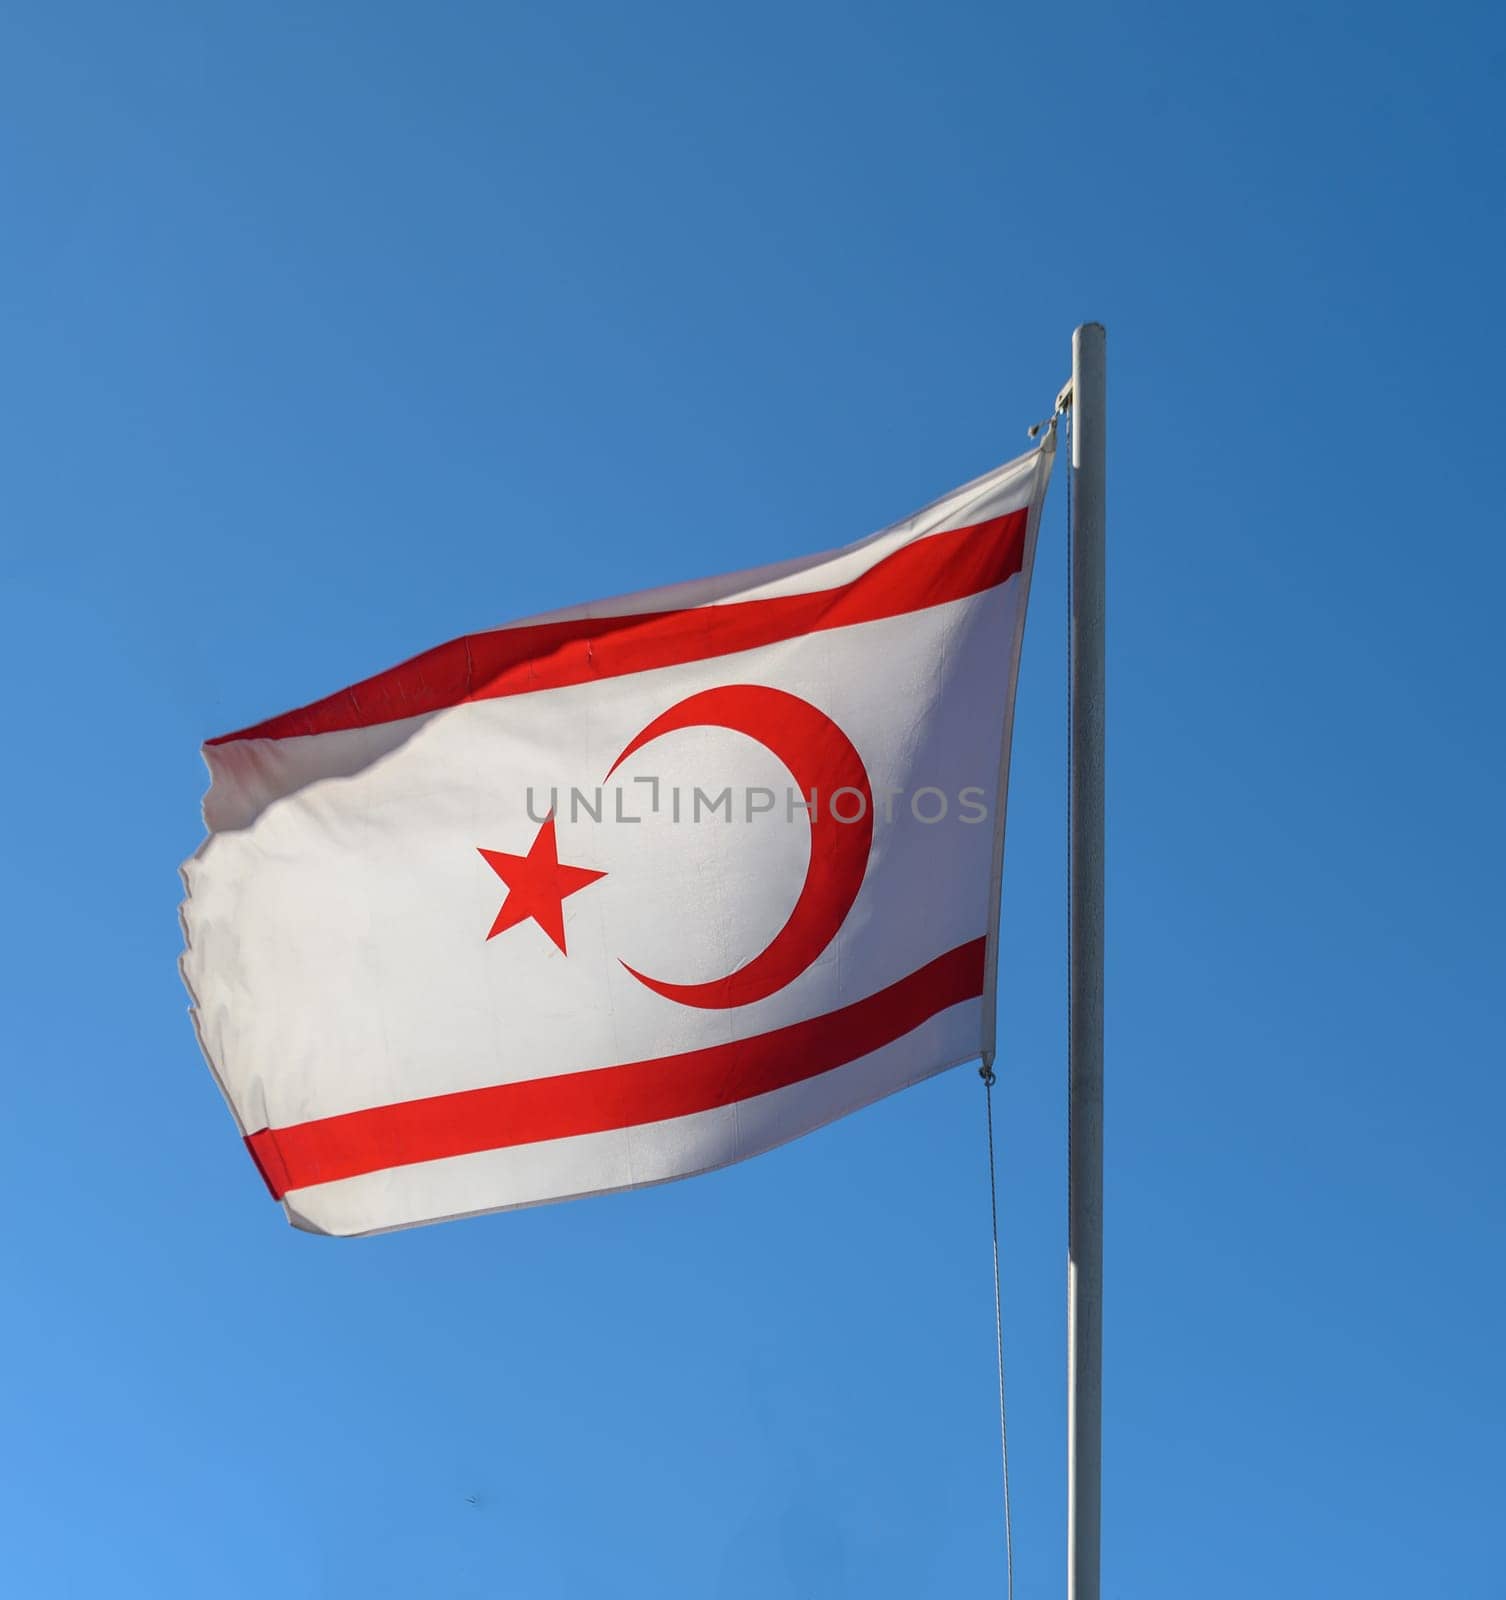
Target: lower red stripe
508 1114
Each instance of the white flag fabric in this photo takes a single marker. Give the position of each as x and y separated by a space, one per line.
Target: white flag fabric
622 893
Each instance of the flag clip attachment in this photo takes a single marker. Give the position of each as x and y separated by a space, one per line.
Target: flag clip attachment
1063 404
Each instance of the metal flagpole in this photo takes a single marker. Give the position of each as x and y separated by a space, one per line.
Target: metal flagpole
1085 969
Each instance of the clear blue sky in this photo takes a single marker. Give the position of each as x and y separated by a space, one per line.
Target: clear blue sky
331 331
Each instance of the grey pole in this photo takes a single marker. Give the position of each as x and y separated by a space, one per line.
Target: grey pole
1085 970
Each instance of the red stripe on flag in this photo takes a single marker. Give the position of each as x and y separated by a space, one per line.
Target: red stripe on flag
625 1096
557 655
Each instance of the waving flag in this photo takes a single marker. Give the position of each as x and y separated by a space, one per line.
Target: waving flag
623 893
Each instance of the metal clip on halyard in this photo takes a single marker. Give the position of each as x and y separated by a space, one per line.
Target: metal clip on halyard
1063 403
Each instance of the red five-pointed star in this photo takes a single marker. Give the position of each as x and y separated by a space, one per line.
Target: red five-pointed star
536 886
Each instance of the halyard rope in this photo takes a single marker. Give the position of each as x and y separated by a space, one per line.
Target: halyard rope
986 1072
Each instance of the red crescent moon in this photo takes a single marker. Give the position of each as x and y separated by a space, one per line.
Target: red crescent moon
820 757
